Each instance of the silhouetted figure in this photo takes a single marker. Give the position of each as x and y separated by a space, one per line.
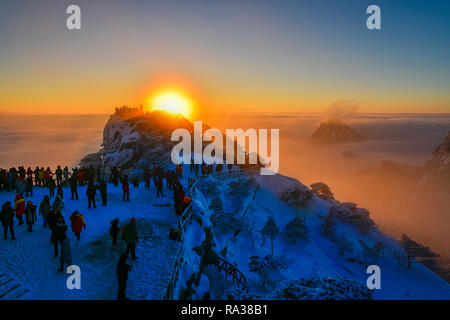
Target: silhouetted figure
91 191
59 175
51 187
122 276
130 235
44 209
115 176
74 184
66 253
114 230
7 219
126 189
159 187
103 191
58 232
30 215
29 183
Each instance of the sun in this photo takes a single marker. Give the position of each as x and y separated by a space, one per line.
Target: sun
173 102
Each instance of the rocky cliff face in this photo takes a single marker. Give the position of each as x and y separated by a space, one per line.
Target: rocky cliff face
439 162
335 131
131 142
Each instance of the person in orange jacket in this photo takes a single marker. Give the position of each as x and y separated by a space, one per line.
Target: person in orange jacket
19 207
186 202
77 223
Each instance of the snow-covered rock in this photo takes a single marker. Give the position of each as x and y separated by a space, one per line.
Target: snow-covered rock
140 139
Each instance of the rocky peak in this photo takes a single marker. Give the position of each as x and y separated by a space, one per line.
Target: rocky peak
440 158
335 131
132 139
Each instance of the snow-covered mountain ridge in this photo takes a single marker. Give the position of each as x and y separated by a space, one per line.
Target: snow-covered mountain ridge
321 264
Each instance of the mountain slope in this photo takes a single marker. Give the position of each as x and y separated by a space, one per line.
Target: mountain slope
228 216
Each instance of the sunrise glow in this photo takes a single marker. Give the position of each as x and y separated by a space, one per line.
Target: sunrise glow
172 101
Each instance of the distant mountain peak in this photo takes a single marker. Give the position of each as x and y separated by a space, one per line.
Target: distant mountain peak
440 158
335 131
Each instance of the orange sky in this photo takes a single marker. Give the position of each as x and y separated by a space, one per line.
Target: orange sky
226 57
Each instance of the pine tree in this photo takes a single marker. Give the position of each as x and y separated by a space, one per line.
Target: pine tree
270 231
329 225
416 250
264 267
296 229
322 190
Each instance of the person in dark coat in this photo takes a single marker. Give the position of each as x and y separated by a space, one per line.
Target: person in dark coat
59 233
7 219
59 174
147 178
122 276
66 253
51 187
59 191
51 218
30 215
44 209
73 184
114 230
159 187
130 235
115 176
91 191
29 183
103 192
37 181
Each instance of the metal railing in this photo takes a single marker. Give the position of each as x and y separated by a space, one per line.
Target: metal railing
186 217
228 175
237 275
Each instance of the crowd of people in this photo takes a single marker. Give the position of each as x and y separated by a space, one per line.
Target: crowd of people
52 210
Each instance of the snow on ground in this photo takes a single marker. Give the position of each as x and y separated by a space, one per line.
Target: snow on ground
30 263
319 257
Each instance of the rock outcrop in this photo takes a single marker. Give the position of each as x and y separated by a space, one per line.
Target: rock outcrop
335 131
136 140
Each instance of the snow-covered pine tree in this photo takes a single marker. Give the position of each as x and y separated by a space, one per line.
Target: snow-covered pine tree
296 229
270 231
416 250
322 190
329 225
299 198
344 246
264 267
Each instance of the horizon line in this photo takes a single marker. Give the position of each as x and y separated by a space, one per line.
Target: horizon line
225 113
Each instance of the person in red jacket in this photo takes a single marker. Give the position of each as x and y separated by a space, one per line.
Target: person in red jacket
80 177
126 189
47 175
19 207
77 222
